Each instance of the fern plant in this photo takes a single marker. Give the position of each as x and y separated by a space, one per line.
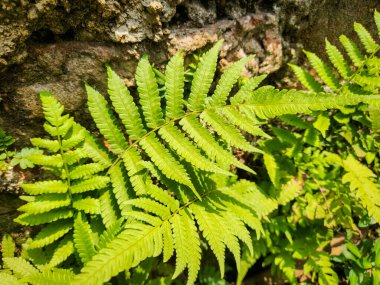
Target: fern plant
337 154
60 203
164 181
361 76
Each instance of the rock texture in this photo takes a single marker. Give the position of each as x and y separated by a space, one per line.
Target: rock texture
58 45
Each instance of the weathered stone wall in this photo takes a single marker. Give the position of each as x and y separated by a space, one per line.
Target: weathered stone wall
58 45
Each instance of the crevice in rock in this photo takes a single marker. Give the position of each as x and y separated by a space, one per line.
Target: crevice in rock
46 36
266 5
69 35
42 36
181 16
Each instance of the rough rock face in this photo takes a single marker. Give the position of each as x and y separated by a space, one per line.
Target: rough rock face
58 45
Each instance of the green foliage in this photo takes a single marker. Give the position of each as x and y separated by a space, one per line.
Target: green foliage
58 203
5 140
336 153
162 188
360 262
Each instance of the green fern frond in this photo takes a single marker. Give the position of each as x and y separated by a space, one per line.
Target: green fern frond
338 60
46 203
46 160
62 129
45 187
136 192
306 79
44 218
377 20
230 238
188 250
85 170
352 50
83 241
74 156
153 232
51 233
246 90
203 78
124 105
366 39
227 81
290 191
323 70
251 219
367 80
129 248
184 148
149 97
109 234
51 145
76 137
168 241
52 109
144 217
163 197
272 168
232 136
97 182
37 256
211 231
53 277
132 161
174 83
105 120
8 246
374 114
360 179
250 195
245 123
207 143
10 279
109 209
293 102
96 151
165 161
121 187
150 206
19 266
64 250
88 205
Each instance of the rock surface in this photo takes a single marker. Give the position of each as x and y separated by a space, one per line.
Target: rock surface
57 45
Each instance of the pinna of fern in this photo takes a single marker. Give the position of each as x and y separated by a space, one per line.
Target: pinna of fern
160 183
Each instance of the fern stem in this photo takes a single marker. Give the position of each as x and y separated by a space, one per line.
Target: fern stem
65 167
136 142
